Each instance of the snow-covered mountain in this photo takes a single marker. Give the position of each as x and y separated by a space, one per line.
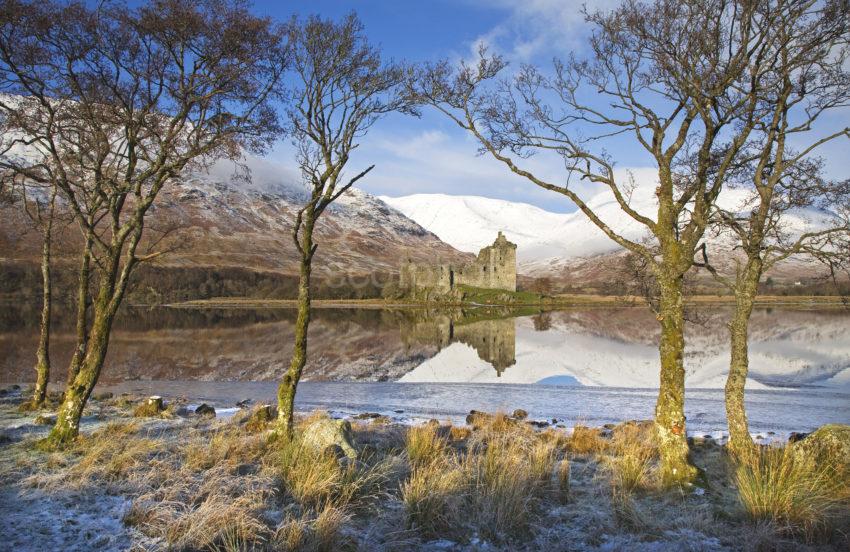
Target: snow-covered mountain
545 240
550 242
220 220
468 223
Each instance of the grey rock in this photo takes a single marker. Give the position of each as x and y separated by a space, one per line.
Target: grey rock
325 432
205 410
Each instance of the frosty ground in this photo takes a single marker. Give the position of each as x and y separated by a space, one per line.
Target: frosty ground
188 482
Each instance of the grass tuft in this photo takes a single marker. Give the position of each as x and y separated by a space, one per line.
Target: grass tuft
633 453
791 492
314 478
425 445
433 497
585 440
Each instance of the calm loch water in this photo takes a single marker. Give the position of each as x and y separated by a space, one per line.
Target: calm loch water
591 365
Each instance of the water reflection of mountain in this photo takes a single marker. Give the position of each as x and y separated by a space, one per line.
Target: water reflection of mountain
591 347
617 348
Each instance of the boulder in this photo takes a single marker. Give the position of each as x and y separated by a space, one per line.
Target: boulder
324 433
367 416
205 410
827 444
152 406
260 418
520 414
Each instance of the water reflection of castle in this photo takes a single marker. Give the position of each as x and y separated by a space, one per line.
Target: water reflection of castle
493 340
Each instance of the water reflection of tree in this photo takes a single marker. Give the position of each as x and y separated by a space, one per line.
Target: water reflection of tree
542 322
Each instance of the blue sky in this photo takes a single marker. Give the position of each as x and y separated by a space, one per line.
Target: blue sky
431 154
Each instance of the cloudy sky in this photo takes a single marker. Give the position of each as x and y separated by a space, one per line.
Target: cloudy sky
430 154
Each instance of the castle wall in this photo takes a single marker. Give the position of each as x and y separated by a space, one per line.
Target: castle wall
432 277
494 268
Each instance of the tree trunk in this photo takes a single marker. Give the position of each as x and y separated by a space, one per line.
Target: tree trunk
111 290
289 383
82 319
740 440
76 395
42 355
670 408
287 388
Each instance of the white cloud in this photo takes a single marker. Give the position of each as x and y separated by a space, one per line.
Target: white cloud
539 27
433 161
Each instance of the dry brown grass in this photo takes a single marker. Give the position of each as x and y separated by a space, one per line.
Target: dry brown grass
633 452
424 444
459 433
219 521
791 492
586 440
226 445
493 486
107 456
211 485
433 498
315 479
508 472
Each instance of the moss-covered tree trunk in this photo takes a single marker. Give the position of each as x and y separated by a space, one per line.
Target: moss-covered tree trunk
670 406
42 354
289 383
740 440
77 394
82 318
112 284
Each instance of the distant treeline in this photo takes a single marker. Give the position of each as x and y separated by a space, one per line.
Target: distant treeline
168 284
822 286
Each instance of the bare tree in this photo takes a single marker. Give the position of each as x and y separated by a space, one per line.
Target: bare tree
111 104
342 87
805 80
667 74
39 203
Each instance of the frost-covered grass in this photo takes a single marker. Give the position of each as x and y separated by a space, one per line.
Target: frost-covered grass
188 483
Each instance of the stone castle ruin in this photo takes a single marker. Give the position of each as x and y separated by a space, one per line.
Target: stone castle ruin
494 268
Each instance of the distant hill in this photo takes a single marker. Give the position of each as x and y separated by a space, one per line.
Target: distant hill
234 230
